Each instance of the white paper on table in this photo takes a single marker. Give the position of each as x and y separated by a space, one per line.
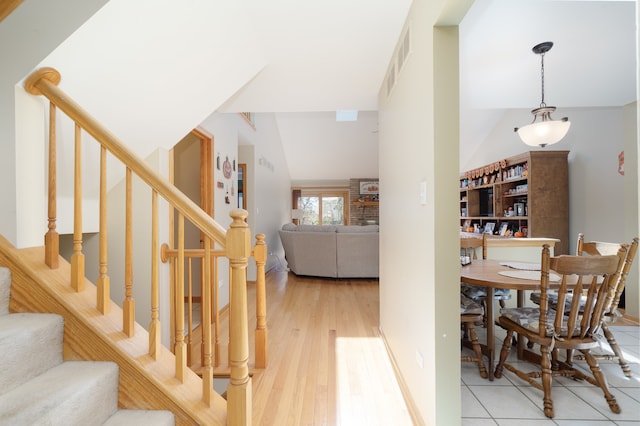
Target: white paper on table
524 266
528 275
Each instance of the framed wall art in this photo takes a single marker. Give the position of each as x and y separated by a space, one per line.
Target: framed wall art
368 187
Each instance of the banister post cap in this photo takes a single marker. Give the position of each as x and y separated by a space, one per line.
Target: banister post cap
47 73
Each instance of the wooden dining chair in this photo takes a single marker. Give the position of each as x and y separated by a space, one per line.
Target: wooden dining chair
598 248
611 307
470 313
469 246
558 329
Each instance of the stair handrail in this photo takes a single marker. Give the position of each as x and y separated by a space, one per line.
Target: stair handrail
44 82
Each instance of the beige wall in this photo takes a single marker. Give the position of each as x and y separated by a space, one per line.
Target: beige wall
419 274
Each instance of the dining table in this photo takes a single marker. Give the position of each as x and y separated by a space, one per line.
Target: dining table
496 274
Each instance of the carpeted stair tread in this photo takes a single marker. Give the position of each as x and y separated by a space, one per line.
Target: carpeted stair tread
5 290
72 393
30 344
141 417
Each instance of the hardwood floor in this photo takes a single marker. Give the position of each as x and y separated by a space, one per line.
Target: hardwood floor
327 364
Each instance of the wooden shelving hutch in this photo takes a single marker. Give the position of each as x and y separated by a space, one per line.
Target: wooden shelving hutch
529 192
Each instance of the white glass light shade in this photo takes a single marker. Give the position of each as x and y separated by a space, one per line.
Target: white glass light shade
544 132
296 214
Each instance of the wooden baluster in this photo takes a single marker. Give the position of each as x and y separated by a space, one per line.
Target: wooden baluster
51 238
77 258
216 313
260 255
239 388
173 268
103 285
180 349
205 304
155 338
128 307
229 322
189 311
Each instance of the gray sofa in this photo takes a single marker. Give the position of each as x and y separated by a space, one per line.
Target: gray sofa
332 251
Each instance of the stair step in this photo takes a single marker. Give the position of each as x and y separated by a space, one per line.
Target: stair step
141 417
72 393
5 290
31 344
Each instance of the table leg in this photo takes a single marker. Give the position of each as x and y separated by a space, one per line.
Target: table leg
520 344
490 331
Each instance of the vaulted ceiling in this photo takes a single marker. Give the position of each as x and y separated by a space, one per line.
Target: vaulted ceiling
305 60
334 57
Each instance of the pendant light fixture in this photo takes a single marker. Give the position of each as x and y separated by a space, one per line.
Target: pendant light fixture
546 131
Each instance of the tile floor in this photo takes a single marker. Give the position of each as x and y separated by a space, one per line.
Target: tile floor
512 401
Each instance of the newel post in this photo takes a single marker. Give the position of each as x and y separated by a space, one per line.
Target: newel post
239 388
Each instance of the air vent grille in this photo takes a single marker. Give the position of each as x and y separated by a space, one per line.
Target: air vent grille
401 56
391 79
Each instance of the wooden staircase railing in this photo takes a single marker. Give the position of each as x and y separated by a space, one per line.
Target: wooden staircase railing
194 334
235 244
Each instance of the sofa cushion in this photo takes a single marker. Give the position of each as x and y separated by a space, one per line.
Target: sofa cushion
356 229
289 227
310 253
317 228
358 255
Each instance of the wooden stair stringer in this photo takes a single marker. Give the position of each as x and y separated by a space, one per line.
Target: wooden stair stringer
144 383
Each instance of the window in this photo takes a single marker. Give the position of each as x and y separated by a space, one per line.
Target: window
321 207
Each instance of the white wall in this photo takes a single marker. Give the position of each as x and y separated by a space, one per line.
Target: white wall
631 217
419 274
268 186
26 36
272 187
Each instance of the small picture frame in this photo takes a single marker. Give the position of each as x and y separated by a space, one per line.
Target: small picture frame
488 227
466 225
503 228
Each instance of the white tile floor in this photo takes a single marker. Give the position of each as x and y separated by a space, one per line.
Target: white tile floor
512 401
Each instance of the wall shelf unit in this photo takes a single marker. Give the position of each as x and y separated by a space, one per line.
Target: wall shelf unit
366 203
527 192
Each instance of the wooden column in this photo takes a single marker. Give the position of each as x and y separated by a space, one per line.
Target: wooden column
103 285
77 258
128 307
155 337
34 84
51 238
205 297
239 388
260 255
180 348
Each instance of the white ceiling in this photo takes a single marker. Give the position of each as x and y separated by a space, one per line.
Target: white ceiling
305 60
332 55
323 57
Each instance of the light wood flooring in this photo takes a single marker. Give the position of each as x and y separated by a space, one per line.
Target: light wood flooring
327 364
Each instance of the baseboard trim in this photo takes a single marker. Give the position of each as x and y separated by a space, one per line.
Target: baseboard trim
411 406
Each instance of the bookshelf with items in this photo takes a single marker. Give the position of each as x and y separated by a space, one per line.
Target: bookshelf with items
525 195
